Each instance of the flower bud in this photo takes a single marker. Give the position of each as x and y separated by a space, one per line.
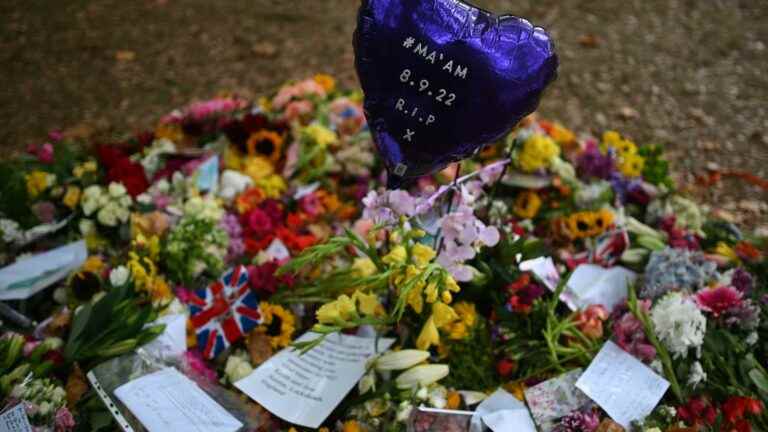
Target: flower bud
399 360
422 375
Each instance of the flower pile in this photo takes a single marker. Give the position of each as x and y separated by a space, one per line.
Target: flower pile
290 187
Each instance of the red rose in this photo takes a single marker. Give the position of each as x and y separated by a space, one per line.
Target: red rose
130 174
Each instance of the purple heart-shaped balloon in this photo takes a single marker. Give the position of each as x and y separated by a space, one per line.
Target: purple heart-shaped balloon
442 79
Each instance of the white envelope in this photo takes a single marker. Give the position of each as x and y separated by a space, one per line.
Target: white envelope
29 276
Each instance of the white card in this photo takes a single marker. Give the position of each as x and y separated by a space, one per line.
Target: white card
591 284
15 420
172 343
208 174
166 400
501 411
622 385
277 250
305 190
29 276
304 389
544 269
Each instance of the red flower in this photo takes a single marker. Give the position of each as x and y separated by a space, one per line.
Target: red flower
697 412
131 174
257 223
505 367
264 280
295 242
718 300
736 407
523 293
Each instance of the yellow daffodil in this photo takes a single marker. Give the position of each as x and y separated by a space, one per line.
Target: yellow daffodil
537 153
527 205
397 255
72 197
422 254
364 267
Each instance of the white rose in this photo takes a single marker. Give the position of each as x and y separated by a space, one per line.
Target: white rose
237 368
107 217
144 198
119 276
117 189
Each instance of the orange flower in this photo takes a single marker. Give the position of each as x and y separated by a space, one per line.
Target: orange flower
249 199
326 82
747 251
454 400
590 321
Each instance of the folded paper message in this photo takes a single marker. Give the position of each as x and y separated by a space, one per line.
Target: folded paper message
28 276
608 377
591 284
166 400
304 389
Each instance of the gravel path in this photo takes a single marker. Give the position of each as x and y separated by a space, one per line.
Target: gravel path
689 74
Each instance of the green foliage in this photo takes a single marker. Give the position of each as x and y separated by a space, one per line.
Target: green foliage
656 169
471 361
193 244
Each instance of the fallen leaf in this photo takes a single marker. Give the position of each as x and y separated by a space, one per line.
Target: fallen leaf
125 55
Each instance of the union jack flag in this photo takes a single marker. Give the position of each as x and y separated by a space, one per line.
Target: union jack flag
224 311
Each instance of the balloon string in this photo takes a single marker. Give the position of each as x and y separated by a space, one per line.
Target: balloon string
454 185
717 176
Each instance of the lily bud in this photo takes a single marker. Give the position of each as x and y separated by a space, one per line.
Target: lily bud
399 360
423 375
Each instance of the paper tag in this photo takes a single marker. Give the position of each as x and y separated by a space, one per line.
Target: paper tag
277 250
166 400
208 174
172 343
304 389
305 190
27 277
15 420
622 385
555 398
501 411
591 284
544 269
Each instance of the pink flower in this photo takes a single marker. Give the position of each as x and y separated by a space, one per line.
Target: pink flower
55 135
45 153
196 364
718 300
311 205
296 109
45 211
258 223
628 333
64 420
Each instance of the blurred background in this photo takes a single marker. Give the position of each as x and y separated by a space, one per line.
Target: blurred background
690 74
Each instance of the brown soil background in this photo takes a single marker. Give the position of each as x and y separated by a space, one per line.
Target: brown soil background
690 74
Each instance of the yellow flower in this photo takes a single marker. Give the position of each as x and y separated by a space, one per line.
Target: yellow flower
258 167
446 297
631 165
451 284
603 219
397 255
265 143
320 134
415 299
364 267
443 314
428 336
347 308
580 225
537 153
94 264
724 250
351 426
170 131
278 323
159 290
624 147
38 181
273 186
233 160
517 390
431 292
467 319
72 197
527 205
326 82
562 134
84 168
422 254
328 313
368 303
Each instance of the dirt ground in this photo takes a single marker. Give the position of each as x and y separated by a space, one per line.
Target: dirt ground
690 74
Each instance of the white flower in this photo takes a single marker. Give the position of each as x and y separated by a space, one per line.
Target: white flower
679 324
404 411
107 216
86 226
232 183
423 375
438 396
45 408
751 338
237 368
696 375
367 382
10 230
117 190
119 276
399 360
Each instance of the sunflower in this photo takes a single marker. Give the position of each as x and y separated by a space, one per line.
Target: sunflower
602 220
265 143
278 323
527 205
581 225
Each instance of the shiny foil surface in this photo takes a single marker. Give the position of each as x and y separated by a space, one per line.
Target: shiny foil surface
443 78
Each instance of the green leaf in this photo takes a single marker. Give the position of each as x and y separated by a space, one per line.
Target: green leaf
760 379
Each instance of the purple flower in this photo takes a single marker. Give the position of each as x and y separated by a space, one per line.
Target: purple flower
579 421
64 420
592 163
745 315
462 231
742 280
231 224
388 206
628 333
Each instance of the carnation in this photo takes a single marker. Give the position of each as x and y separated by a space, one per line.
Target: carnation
679 324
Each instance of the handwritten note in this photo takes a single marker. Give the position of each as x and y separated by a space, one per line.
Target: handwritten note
15 420
608 378
555 398
591 284
29 276
166 400
304 389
